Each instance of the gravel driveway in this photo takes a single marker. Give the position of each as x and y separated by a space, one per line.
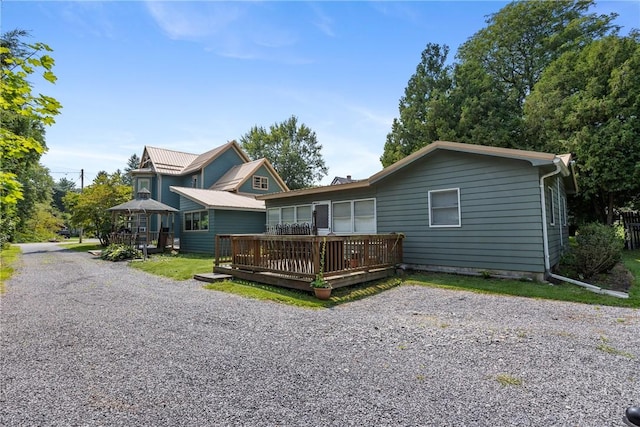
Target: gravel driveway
87 342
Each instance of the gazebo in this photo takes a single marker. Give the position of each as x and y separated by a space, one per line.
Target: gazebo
133 223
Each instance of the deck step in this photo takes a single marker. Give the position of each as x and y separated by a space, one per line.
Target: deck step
212 277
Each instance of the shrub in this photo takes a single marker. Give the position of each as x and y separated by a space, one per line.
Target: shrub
120 252
598 249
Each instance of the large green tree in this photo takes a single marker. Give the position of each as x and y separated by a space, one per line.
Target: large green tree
425 112
479 99
89 208
23 116
292 149
587 102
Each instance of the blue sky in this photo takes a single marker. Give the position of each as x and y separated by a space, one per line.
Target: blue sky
190 76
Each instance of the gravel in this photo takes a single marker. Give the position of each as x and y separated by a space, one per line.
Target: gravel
86 342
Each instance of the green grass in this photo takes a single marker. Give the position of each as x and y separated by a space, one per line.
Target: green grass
73 245
507 380
301 298
8 258
561 292
184 266
177 267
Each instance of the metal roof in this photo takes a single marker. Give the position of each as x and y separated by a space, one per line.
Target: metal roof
214 199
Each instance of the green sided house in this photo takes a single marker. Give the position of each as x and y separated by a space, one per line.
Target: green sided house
214 192
460 207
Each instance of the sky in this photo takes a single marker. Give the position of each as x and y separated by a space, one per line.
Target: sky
190 76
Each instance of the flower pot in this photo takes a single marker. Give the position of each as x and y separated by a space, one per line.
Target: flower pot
322 293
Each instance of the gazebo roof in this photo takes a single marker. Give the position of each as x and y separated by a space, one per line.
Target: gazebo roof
143 204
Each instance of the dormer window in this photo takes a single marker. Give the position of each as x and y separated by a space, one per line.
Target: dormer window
260 182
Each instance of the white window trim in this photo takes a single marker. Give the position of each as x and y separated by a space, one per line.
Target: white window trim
262 179
431 225
184 221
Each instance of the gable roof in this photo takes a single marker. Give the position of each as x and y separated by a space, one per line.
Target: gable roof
168 162
171 162
239 174
534 157
213 199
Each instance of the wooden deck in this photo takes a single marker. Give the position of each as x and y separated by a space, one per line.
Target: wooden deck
294 261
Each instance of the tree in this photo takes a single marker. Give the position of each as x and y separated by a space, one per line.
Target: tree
89 208
293 151
37 188
425 114
24 116
132 164
480 98
587 103
60 189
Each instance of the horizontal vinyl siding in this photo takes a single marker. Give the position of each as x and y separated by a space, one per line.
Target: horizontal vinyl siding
195 241
221 165
239 222
500 213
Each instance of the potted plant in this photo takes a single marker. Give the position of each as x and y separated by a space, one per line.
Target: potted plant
321 287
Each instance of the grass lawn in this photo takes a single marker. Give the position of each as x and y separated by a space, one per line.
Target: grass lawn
73 245
184 266
8 258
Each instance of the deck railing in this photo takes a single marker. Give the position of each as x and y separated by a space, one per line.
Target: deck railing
300 256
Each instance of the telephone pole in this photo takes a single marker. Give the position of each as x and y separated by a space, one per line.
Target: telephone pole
81 189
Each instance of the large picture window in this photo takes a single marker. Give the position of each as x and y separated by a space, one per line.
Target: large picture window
196 221
444 208
354 216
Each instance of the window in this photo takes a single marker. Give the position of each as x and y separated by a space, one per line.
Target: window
194 181
196 221
260 182
273 216
288 215
144 183
564 211
444 208
552 207
342 217
364 218
354 216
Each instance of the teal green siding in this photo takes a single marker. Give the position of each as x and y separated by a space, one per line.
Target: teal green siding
500 208
501 219
558 233
239 222
273 186
200 241
220 222
221 165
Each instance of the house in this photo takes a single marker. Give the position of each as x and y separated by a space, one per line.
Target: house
214 192
461 208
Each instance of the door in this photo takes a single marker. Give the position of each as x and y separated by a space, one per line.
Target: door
322 217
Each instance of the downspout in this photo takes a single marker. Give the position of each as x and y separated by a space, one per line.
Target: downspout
562 208
545 240
545 231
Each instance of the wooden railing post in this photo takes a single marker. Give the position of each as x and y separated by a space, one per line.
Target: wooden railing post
216 260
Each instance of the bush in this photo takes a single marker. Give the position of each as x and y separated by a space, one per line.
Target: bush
598 249
120 252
